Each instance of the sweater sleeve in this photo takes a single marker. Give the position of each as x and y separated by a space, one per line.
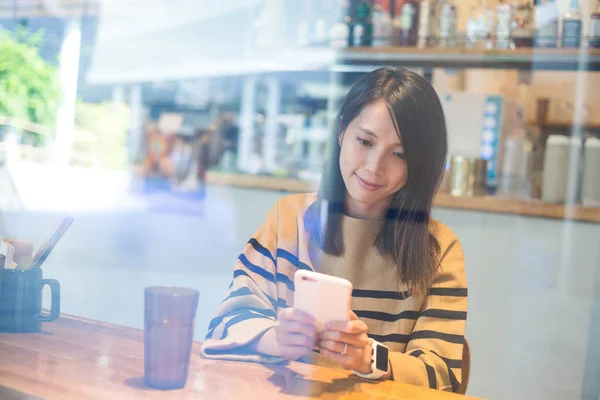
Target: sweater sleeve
252 301
433 356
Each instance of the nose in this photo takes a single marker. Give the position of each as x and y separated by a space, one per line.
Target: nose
375 162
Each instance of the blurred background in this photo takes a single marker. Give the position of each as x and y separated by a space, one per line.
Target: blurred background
169 128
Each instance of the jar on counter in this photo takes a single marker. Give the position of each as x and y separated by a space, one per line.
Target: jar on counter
557 164
516 167
468 176
590 190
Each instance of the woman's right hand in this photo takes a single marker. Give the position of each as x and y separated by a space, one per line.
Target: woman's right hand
295 333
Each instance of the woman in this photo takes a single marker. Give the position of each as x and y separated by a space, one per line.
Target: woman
370 223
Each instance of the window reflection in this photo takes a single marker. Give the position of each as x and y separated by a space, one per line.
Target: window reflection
168 129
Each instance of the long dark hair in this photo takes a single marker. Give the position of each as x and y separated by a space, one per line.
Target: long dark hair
405 239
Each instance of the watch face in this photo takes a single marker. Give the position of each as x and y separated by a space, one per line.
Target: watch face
382 358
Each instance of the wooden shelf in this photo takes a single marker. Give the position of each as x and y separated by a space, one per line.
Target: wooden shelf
521 59
363 60
565 126
260 182
533 208
492 204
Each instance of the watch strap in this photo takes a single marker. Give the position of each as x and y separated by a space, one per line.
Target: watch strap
376 373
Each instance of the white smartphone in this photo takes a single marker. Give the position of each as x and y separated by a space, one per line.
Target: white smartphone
326 298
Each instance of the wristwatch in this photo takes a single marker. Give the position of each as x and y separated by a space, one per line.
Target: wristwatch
379 361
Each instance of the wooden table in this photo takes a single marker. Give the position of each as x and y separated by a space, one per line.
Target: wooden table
75 358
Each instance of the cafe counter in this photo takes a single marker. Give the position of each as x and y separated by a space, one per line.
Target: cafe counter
492 204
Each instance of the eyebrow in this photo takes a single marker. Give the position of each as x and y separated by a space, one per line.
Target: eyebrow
371 133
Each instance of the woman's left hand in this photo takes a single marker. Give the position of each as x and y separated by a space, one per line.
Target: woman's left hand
347 344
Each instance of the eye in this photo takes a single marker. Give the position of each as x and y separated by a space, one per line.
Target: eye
364 142
399 155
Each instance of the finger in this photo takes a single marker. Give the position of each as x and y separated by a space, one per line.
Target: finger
338 347
345 361
354 327
302 317
295 327
331 345
352 316
296 339
360 340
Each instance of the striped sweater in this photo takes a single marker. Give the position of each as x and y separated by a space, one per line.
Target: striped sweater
424 333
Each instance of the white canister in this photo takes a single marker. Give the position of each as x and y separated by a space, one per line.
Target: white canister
557 164
590 189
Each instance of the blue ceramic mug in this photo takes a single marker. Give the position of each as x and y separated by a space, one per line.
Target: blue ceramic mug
21 300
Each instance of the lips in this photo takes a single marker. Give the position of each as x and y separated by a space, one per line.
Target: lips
366 184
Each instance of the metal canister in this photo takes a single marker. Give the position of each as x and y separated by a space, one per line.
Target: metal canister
480 177
468 176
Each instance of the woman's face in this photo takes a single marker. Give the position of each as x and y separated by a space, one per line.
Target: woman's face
372 162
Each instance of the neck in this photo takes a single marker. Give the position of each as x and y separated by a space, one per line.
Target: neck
376 211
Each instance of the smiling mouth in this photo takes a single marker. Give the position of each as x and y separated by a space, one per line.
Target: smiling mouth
366 184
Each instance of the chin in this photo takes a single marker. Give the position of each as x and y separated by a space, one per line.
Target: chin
366 197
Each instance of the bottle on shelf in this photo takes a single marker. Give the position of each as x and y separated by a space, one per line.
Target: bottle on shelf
515 167
382 27
595 28
546 23
504 22
363 28
480 25
329 12
523 25
396 17
303 37
323 23
269 29
407 23
340 33
539 138
571 27
426 23
445 23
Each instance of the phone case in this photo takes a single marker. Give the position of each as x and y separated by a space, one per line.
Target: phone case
326 298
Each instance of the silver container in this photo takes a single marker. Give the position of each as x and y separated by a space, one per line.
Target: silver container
468 176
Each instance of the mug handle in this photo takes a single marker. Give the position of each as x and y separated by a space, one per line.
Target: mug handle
54 303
